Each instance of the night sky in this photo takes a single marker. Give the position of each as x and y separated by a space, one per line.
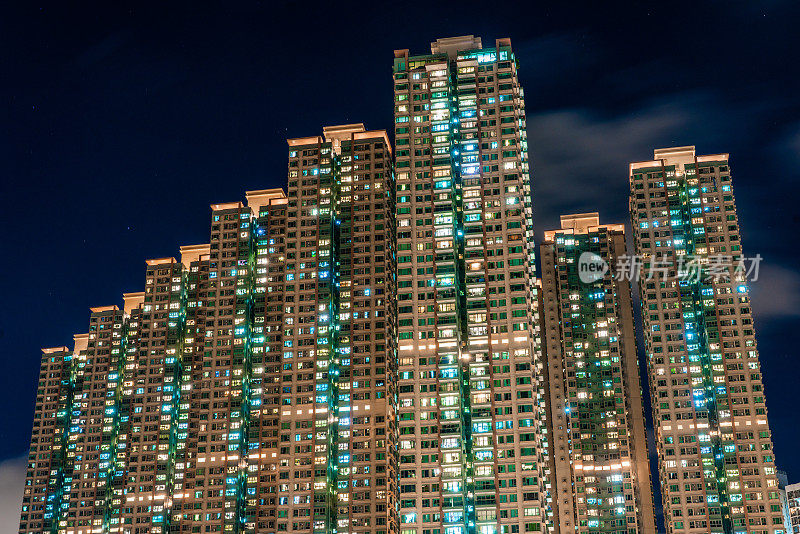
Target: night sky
122 124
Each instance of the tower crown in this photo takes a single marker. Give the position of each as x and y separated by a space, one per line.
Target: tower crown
453 45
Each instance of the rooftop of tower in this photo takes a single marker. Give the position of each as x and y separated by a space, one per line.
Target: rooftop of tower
581 223
678 156
452 45
461 47
673 152
341 132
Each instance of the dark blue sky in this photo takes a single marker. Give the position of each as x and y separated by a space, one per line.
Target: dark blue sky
121 125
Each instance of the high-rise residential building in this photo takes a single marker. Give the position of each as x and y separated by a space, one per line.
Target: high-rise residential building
252 385
783 481
793 508
716 463
601 470
339 330
472 435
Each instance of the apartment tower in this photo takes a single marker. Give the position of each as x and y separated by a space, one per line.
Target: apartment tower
252 385
792 511
601 474
339 302
716 462
472 435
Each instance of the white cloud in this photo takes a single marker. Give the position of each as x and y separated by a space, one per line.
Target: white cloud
580 158
580 155
12 481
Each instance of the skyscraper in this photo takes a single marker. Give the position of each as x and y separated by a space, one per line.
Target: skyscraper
339 294
601 475
252 385
783 482
472 434
792 511
716 463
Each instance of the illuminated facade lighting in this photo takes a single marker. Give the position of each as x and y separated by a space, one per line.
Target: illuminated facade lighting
715 455
252 385
601 472
473 445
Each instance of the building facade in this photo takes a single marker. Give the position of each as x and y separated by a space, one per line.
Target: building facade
783 481
472 435
601 473
792 511
716 463
252 385
341 263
